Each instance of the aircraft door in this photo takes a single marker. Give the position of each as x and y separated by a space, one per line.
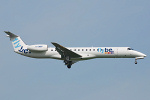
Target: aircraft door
116 54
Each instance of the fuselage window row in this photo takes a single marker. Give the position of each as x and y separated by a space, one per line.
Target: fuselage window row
78 50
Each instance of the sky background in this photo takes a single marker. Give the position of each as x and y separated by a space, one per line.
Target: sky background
75 23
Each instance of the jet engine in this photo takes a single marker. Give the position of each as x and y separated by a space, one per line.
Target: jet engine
38 48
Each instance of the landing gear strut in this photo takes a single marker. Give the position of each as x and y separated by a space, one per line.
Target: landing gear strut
135 61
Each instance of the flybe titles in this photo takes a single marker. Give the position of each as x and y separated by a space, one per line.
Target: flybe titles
106 51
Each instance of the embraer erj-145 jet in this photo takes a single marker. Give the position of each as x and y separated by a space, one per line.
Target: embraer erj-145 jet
71 55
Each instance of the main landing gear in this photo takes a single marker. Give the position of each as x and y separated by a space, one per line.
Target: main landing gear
68 62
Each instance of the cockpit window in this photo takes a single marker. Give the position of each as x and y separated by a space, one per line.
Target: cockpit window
129 49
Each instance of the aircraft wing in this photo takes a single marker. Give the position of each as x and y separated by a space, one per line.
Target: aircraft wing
65 52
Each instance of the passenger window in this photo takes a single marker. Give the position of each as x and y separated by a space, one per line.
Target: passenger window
78 49
74 49
90 50
82 49
93 49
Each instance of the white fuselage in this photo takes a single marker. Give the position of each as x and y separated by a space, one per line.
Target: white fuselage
71 55
86 53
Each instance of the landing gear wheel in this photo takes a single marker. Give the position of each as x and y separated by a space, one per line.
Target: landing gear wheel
69 66
135 62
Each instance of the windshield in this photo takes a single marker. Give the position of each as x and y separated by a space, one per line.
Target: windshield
129 49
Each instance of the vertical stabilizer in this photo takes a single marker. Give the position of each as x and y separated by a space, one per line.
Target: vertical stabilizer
16 41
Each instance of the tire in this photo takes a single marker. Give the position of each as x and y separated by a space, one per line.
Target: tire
69 66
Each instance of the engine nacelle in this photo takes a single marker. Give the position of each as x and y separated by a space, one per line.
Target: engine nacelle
38 48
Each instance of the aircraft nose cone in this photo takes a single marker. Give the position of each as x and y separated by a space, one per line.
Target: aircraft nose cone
145 55
140 54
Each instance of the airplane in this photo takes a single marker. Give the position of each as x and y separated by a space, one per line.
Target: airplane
71 55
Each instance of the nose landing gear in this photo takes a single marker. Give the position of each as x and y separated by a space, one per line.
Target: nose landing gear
135 61
138 58
69 66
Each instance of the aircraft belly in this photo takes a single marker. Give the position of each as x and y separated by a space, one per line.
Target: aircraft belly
106 55
123 53
46 54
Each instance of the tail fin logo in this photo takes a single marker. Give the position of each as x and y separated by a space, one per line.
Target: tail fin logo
16 42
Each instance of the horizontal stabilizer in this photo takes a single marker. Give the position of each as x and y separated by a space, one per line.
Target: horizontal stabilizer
11 35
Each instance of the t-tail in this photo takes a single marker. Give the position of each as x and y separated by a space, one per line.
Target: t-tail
16 41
